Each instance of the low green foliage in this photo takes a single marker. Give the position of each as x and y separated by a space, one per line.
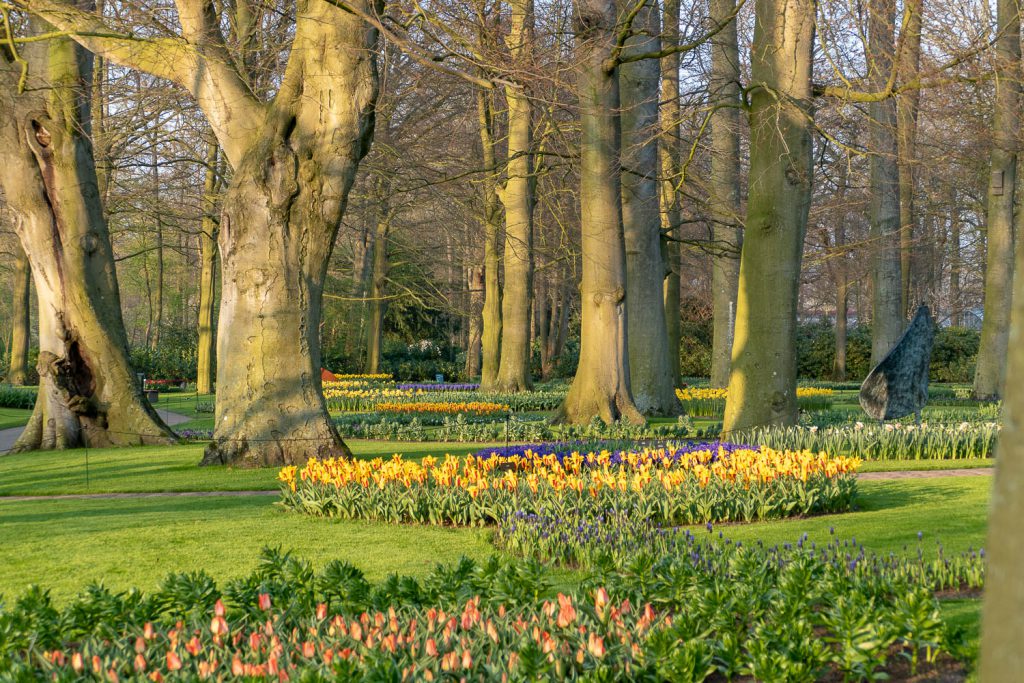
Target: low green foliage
17 397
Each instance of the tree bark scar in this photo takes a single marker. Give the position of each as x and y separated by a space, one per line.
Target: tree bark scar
44 157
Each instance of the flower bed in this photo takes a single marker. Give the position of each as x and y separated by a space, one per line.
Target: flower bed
471 408
671 485
719 611
439 386
706 402
891 441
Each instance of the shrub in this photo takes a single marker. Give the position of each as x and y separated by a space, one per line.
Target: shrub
17 397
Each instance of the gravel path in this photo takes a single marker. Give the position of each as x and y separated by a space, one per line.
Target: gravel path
927 474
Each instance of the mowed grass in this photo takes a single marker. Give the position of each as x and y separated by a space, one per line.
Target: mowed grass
64 545
924 465
154 469
14 417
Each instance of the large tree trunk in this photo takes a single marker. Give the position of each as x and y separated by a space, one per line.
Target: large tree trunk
906 115
208 273
21 307
762 384
838 265
88 394
490 341
517 197
378 291
725 186
601 386
887 306
279 221
650 360
1002 657
990 374
668 152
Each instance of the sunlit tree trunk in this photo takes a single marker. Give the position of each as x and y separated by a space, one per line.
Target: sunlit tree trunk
208 273
158 250
725 186
650 361
884 213
490 341
517 197
601 386
906 116
21 307
475 281
990 373
88 395
762 384
668 153
1002 657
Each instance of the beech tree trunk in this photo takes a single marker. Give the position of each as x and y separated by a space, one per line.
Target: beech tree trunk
725 186
601 386
517 197
21 307
990 373
650 361
158 305
208 274
668 153
1002 623
88 394
906 115
475 281
955 264
490 340
762 384
887 305
378 291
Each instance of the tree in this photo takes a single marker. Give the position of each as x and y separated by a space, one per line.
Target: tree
88 395
887 305
907 106
490 341
517 197
601 386
725 185
668 153
294 160
762 386
17 371
208 276
650 358
990 374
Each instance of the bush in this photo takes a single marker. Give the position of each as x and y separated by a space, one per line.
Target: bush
17 397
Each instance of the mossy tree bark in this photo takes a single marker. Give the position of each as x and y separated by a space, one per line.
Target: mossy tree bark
762 384
887 320
650 361
208 273
601 386
490 340
990 374
517 198
21 304
1002 623
88 394
725 186
668 153
294 161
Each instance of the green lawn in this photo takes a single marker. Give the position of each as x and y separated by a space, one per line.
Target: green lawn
917 465
164 468
14 417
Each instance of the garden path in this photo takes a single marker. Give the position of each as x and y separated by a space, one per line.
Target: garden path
9 436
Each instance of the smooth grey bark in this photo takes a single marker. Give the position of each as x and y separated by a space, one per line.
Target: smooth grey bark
762 383
725 207
207 320
601 386
990 372
378 289
650 359
475 283
907 105
490 341
887 319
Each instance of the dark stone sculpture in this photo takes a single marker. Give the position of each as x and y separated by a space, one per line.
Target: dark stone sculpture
898 385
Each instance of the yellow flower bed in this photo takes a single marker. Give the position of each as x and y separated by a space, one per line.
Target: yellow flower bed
706 394
374 377
476 408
